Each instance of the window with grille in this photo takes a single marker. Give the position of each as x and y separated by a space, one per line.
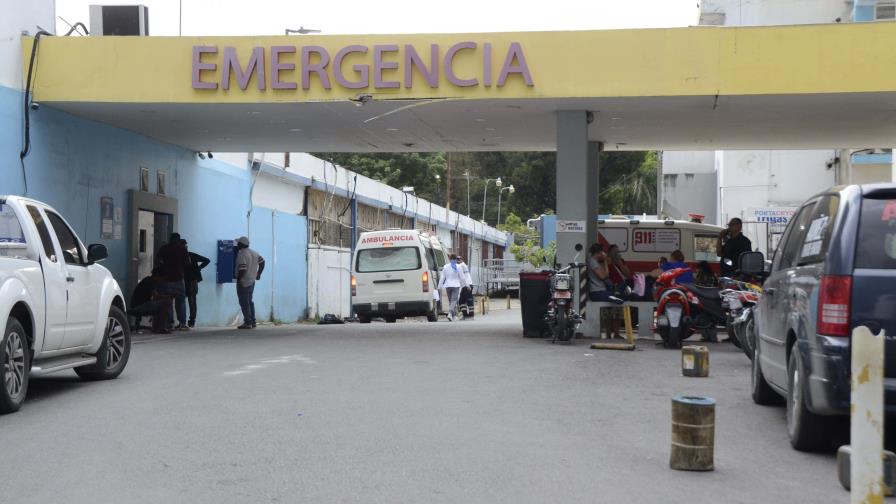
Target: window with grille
884 11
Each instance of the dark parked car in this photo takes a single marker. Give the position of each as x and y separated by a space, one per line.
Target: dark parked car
834 270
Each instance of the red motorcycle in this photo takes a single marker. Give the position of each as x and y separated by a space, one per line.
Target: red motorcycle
684 309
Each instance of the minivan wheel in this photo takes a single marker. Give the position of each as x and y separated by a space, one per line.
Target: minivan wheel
114 352
15 359
761 391
804 428
364 319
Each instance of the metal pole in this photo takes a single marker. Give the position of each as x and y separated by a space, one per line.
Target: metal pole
501 190
468 193
484 192
180 17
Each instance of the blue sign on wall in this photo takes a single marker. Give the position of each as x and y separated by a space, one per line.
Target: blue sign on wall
226 261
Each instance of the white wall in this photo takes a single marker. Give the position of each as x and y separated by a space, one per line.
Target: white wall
757 179
278 194
18 16
776 12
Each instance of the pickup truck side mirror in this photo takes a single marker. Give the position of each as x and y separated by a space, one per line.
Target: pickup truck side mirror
96 252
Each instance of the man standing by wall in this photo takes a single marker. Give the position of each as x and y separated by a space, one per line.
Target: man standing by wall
249 265
173 259
192 277
731 244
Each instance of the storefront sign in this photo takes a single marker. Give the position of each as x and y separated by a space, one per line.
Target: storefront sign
107 218
382 66
776 217
570 226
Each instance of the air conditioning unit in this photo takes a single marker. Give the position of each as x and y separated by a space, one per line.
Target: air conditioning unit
119 20
885 11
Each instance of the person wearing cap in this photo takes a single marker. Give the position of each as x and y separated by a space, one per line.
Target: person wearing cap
249 265
192 277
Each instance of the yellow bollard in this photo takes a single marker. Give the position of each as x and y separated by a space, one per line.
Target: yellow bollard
866 417
629 332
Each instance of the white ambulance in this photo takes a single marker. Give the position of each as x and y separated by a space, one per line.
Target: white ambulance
642 242
395 274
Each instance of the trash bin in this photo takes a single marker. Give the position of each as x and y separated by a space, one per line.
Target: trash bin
535 294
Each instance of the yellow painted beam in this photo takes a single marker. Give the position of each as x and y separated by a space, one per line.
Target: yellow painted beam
698 61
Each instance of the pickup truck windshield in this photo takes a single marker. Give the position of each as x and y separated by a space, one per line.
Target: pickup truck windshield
877 234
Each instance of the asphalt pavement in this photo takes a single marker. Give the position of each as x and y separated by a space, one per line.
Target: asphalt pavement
468 411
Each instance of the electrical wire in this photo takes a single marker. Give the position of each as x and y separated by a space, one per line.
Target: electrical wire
74 28
29 83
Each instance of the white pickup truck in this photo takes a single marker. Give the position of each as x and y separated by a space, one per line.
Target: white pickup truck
58 308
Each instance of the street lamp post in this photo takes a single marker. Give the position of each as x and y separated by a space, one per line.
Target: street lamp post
497 182
508 188
467 176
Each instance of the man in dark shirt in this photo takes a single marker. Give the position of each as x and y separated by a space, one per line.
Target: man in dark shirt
174 259
192 277
731 244
147 301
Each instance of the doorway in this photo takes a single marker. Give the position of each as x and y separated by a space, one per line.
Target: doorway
153 219
153 230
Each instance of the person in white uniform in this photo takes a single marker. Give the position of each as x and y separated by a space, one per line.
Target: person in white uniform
452 280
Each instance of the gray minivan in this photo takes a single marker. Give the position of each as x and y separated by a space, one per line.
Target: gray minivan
834 270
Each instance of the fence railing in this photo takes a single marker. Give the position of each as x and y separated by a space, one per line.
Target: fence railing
500 274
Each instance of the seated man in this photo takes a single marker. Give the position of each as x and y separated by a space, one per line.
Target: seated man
148 301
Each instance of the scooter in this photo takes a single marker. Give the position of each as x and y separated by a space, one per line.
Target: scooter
684 309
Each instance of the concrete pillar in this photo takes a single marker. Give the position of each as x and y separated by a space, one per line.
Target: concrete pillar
577 185
893 166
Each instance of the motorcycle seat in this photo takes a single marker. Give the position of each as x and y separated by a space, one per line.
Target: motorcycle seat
705 292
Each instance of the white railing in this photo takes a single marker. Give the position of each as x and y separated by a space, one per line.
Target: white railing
500 274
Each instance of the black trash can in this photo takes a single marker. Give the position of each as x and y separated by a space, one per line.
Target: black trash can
535 294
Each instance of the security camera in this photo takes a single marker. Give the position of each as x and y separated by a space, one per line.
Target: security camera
201 155
35 106
210 155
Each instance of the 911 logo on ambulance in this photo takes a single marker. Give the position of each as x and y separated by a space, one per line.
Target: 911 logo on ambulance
386 239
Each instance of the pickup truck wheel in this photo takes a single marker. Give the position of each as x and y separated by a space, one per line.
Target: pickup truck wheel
113 354
16 360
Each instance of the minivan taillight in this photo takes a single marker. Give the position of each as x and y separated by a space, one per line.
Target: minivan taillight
425 281
354 286
834 299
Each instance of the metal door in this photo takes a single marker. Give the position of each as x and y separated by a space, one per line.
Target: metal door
145 243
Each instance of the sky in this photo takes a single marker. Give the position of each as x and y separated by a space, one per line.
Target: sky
271 17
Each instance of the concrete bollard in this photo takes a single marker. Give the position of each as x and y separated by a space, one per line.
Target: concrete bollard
695 361
844 454
693 433
866 417
508 301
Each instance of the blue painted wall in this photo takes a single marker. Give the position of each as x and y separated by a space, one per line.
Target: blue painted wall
74 162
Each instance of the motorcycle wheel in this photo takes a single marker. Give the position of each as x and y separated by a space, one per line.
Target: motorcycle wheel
732 334
672 336
748 336
561 329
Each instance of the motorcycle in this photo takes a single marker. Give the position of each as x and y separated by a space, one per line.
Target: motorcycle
684 309
740 298
561 318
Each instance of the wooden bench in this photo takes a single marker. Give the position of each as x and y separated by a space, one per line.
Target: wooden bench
591 327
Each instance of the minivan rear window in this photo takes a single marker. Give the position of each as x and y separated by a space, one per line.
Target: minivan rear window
374 260
876 248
